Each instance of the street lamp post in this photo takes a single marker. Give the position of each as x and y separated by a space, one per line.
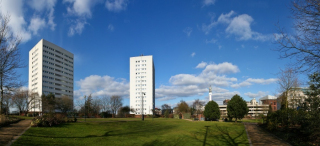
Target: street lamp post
85 108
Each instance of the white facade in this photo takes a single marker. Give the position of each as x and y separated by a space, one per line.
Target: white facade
210 93
50 71
142 84
255 109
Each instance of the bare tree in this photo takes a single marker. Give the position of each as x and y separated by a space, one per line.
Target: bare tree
33 101
64 104
7 102
183 107
287 81
115 103
10 59
105 103
165 107
305 44
198 106
20 100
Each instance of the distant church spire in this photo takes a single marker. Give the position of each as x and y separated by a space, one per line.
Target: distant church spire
210 93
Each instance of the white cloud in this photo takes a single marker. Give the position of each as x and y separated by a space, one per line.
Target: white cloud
255 95
45 5
82 10
225 18
239 26
116 5
102 85
77 27
81 7
17 21
188 31
208 2
219 97
110 27
172 92
193 54
249 82
202 65
222 68
36 24
212 41
186 79
186 85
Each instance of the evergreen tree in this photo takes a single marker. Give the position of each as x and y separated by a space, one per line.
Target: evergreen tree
212 111
237 108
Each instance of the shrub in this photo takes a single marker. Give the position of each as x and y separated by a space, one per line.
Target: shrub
51 120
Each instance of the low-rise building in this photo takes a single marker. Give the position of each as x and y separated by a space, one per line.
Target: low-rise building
269 100
296 96
255 109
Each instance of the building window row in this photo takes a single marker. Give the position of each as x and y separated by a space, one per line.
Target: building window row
48 47
68 70
48 67
34 74
47 87
48 62
141 61
34 79
141 104
48 52
34 56
59 52
69 65
47 82
140 101
34 60
35 65
35 51
34 84
48 77
48 72
35 70
68 57
48 57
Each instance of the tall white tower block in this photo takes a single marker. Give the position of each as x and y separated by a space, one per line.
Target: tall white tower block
142 85
50 71
210 93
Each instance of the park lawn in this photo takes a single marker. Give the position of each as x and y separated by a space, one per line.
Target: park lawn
23 117
159 131
257 120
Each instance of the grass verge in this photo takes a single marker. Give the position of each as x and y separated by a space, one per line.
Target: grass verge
136 132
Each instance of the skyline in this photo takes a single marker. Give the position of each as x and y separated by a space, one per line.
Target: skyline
195 44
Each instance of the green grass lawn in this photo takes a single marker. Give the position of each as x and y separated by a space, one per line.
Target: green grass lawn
251 120
23 117
132 131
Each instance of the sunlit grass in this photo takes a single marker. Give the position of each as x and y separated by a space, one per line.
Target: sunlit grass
133 131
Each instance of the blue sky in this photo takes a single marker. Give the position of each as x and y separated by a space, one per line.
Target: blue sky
195 43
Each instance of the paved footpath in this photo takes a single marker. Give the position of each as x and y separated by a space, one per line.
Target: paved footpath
7 134
260 137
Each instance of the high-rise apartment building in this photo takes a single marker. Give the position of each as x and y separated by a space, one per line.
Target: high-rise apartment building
142 84
50 71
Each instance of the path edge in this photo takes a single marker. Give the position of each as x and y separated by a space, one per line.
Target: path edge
245 127
18 136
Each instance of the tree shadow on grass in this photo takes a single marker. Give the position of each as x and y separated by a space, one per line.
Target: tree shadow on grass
163 143
217 135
